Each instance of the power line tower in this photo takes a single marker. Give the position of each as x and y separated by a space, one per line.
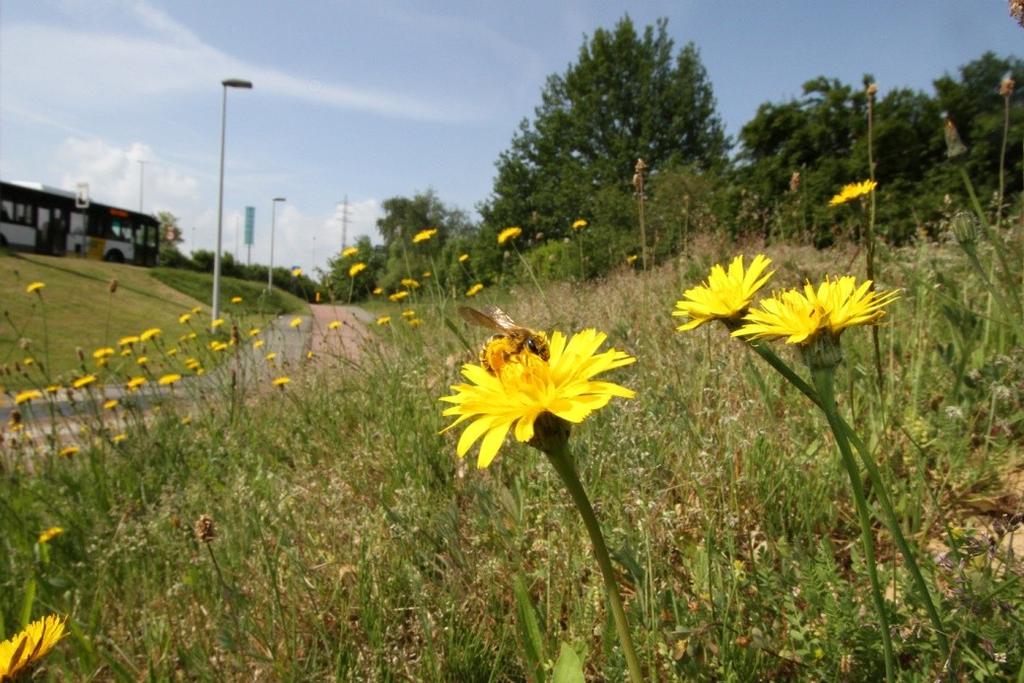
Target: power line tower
344 223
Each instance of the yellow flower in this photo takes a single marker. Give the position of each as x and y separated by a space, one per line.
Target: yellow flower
217 323
236 299
295 322
68 451
410 283
852 191
149 334
281 381
105 352
356 268
398 296
427 273
725 295
29 646
187 420
218 346
127 351
34 287
424 235
128 341
527 386
271 356
296 272
463 258
801 316
53 389
384 320
118 438
258 344
136 382
631 259
110 404
142 360
349 251
579 224
378 290
408 313
29 361
45 537
509 234
475 289
26 396
169 379
184 318
334 324
310 355
172 352
196 310
415 322
83 381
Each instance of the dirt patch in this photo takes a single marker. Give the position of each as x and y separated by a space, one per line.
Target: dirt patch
347 340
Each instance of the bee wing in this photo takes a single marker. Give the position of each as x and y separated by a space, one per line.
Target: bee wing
475 317
502 319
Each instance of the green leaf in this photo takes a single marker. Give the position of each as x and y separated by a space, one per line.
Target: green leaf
529 629
568 668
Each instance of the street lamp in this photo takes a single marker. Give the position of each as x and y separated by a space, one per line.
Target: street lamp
273 219
227 83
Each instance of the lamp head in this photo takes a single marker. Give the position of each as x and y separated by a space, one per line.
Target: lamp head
236 83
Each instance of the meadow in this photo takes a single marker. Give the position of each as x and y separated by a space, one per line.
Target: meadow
325 529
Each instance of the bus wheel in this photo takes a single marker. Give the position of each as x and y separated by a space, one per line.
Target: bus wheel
3 242
114 256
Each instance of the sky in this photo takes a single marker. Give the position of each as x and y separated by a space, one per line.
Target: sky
371 100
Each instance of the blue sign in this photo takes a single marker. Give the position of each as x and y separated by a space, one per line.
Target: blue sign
250 225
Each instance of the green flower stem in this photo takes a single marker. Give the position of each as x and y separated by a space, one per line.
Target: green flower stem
558 455
824 380
888 512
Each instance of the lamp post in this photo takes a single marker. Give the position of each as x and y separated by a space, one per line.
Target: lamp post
227 83
142 175
273 220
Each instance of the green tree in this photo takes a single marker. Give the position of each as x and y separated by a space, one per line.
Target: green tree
627 96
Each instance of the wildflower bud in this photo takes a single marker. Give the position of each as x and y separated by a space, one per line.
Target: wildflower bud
1006 85
823 352
1017 11
80 353
965 229
113 285
550 433
205 529
954 145
794 182
872 90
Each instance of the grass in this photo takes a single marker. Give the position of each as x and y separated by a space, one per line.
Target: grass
351 543
255 300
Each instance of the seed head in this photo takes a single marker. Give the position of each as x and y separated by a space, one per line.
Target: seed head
205 529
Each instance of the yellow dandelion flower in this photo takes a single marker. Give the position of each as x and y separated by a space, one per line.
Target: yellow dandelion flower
334 324
196 310
34 287
384 320
68 451
398 296
172 351
83 381
45 537
408 313
29 646
218 346
527 386
129 340
378 290
309 355
295 322
725 295
475 289
356 268
217 323
184 318
26 396
463 258
105 352
169 379
427 273
28 361
296 272
254 331
631 259
142 360
135 382
349 251
579 224
853 191
118 438
415 322
187 420
410 283
191 363
258 344
110 404
800 317
236 299
271 356
53 389
149 334
509 234
424 235
281 381
127 351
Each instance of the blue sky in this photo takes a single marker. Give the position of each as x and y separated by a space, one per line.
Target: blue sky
374 100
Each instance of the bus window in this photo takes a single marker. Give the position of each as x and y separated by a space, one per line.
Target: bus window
7 212
117 229
140 235
151 236
23 214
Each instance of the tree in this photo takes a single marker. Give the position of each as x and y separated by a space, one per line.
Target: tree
627 96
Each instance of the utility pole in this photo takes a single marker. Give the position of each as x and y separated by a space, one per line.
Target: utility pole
238 220
344 223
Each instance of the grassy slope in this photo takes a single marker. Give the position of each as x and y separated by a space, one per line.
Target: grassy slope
353 545
79 310
254 298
